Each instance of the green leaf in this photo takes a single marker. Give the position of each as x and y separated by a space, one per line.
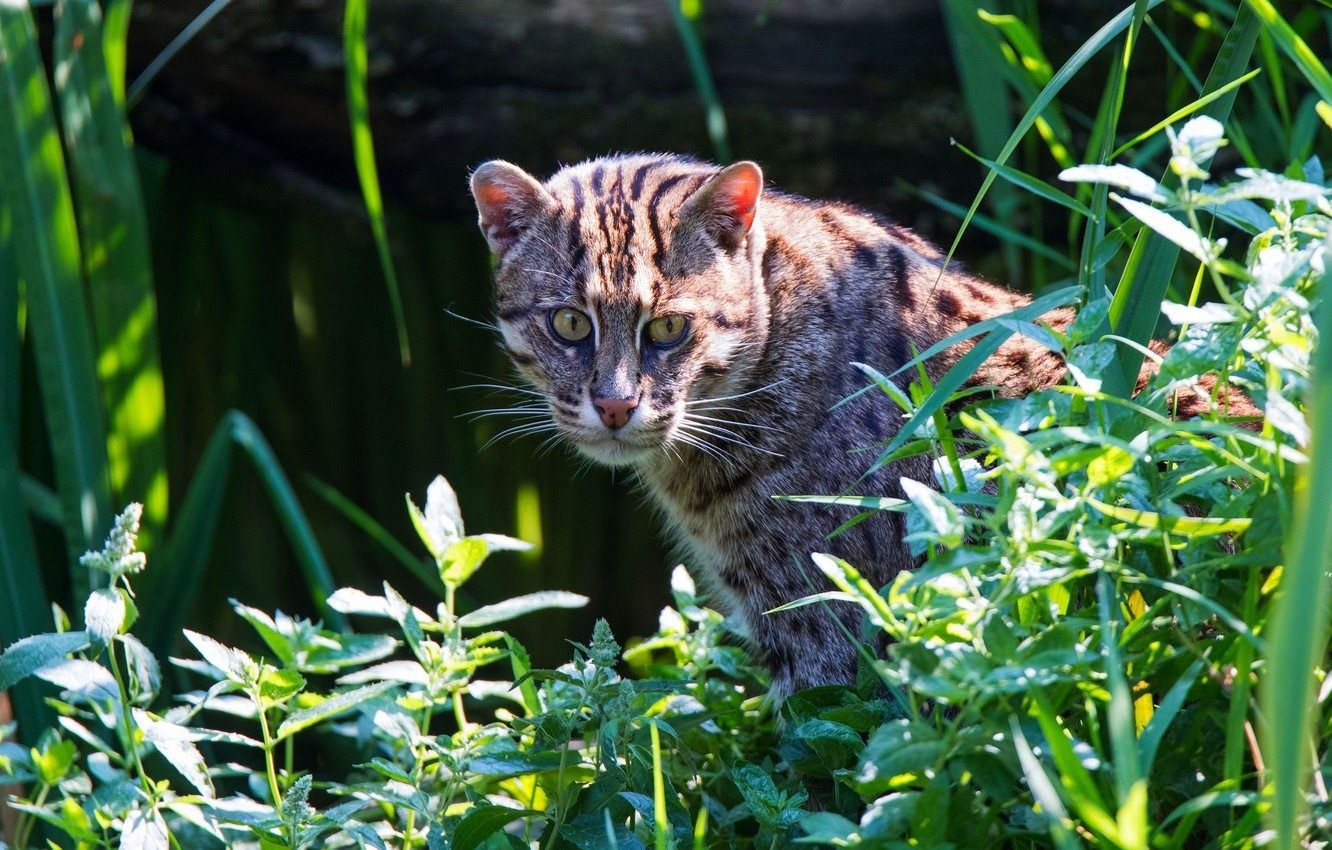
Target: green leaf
363 151
144 830
1195 526
1136 306
80 680
849 580
54 760
1052 807
1034 185
1185 111
113 231
44 242
482 821
104 614
330 707
175 743
518 606
875 503
23 600
30 654
267 629
504 765
232 663
463 558
772 808
277 686
943 517
1294 47
1093 45
1297 631
1155 730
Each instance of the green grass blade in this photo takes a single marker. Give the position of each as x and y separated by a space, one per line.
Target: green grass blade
953 379
427 575
1136 306
146 76
115 43
980 71
23 602
1164 714
1029 313
1123 741
1035 185
363 151
1052 807
1295 48
698 69
1298 629
1092 46
1185 111
185 555
42 501
178 570
1009 235
1078 783
45 246
113 231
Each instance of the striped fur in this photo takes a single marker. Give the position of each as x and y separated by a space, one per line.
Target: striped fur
776 319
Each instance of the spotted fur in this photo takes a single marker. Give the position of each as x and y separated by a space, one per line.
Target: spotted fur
782 295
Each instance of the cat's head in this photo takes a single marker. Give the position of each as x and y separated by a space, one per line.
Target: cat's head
628 289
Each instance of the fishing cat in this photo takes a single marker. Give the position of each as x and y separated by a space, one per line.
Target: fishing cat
679 319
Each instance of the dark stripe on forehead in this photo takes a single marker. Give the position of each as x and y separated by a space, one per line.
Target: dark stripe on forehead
577 200
576 250
598 175
654 205
640 177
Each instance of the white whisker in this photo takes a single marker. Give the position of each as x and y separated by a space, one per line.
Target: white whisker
700 401
520 431
694 417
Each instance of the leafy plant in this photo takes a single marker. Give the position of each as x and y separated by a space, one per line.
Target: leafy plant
74 260
572 757
1076 654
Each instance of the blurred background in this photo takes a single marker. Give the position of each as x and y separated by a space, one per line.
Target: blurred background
271 299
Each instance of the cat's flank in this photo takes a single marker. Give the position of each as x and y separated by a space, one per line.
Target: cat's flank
679 320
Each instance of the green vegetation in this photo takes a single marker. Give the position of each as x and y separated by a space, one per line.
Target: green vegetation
1116 636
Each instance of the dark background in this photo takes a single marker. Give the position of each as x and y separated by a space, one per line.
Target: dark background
272 302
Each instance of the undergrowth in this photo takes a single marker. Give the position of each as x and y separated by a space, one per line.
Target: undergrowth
1074 661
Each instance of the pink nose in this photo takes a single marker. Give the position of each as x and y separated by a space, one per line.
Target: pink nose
615 412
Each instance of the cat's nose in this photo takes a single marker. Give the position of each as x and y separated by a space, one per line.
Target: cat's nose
615 412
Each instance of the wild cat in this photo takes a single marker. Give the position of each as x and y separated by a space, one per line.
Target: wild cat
682 321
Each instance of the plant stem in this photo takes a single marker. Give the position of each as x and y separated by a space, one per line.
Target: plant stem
127 734
268 755
26 822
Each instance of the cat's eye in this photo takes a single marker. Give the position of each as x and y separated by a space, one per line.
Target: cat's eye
570 325
667 330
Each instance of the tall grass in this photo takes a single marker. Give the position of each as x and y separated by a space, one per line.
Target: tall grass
1296 634
75 261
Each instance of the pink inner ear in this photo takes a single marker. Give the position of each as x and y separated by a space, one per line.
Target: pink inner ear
744 198
494 197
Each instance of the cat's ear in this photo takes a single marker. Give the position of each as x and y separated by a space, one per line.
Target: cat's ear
727 203
508 200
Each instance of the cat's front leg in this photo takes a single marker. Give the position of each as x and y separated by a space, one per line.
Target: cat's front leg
806 647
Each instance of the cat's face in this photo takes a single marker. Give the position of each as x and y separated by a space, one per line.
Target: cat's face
628 288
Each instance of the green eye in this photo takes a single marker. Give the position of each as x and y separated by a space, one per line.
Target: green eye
570 325
667 330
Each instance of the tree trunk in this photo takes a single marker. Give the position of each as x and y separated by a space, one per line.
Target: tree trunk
825 93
